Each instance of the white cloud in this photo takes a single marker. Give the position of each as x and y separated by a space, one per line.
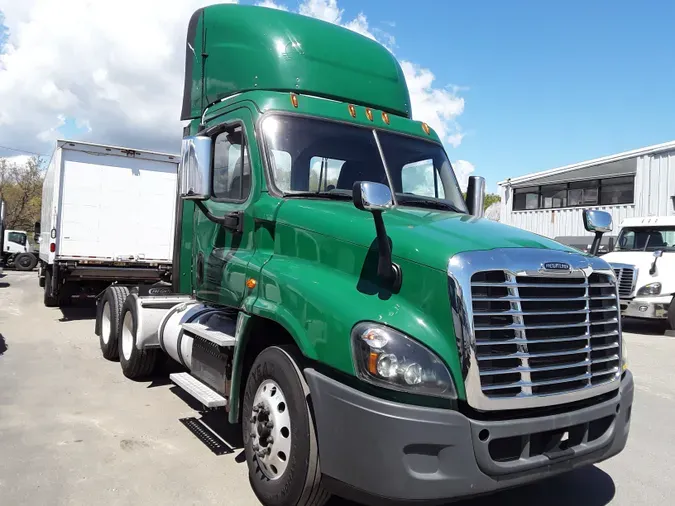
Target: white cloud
116 68
16 160
463 170
272 5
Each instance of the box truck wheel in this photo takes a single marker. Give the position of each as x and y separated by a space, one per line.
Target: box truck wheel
279 436
111 312
25 262
49 299
135 363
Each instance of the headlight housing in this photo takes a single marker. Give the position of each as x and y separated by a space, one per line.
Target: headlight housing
390 359
650 289
624 355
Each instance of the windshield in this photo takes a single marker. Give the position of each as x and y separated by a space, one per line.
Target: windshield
17 237
646 239
313 157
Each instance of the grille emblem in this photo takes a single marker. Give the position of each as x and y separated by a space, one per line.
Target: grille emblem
557 266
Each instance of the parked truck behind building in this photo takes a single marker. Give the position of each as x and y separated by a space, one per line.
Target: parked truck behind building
107 216
336 296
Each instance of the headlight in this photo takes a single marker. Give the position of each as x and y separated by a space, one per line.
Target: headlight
388 358
624 356
650 289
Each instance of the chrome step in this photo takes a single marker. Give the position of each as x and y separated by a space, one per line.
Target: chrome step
203 393
210 334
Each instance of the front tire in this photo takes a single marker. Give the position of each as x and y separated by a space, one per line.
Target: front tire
25 262
671 315
111 312
282 458
136 364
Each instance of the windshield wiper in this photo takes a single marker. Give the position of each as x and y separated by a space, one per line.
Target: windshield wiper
432 204
320 195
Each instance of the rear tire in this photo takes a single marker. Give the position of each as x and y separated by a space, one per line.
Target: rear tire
49 299
671 315
136 364
298 483
25 262
111 311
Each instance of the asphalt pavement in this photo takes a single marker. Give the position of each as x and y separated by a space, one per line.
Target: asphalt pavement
74 431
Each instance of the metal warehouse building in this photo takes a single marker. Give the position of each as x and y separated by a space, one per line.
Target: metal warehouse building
550 203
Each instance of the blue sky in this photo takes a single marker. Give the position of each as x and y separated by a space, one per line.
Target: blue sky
545 84
549 83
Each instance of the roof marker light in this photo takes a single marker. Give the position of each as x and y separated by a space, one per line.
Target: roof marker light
369 114
426 128
352 110
294 100
385 117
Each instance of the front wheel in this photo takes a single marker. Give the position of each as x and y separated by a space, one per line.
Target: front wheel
671 315
279 437
25 262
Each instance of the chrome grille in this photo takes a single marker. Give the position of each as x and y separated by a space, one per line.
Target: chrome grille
539 334
625 277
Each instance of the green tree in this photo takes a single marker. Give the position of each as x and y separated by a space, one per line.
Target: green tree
21 189
490 198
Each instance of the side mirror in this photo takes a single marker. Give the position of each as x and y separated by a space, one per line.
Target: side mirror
369 196
475 196
376 198
195 168
657 254
597 221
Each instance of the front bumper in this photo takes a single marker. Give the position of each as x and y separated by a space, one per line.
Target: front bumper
378 451
646 307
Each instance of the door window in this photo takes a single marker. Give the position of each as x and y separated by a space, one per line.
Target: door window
17 238
231 166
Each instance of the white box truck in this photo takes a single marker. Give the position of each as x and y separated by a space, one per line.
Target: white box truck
107 216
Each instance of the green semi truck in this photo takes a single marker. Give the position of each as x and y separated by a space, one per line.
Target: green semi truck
334 294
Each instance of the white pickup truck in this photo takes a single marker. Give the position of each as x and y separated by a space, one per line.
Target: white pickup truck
644 262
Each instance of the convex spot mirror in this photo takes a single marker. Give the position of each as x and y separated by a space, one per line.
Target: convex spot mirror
195 168
597 221
369 196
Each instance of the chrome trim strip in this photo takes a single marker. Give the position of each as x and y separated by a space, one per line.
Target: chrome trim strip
524 262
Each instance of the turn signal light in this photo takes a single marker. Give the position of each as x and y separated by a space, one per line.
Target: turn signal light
250 283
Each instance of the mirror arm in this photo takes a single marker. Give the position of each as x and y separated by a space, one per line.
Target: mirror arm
232 221
387 270
595 246
652 269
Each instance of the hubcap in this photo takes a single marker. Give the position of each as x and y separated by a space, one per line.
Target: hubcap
127 336
271 429
24 261
105 323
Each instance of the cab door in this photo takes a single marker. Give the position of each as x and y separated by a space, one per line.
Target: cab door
221 251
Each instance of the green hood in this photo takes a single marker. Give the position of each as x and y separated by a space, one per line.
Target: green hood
427 237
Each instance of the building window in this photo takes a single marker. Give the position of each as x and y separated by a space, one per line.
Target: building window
583 193
609 191
619 190
553 196
526 198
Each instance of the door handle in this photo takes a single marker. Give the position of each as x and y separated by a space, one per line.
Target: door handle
233 221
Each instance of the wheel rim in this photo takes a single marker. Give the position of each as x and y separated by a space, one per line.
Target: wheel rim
127 335
271 429
105 323
24 261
